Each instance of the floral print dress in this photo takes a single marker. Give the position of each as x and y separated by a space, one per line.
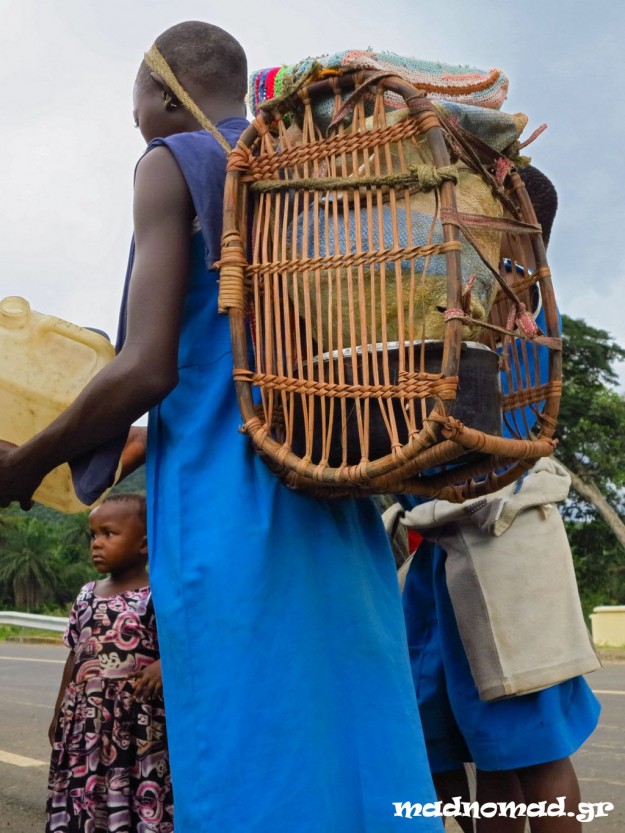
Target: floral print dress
109 771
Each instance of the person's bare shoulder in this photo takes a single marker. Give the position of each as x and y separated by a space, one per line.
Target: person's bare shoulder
161 190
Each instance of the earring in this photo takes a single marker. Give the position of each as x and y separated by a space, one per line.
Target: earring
170 103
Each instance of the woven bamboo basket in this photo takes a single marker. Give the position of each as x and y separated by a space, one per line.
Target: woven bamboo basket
381 271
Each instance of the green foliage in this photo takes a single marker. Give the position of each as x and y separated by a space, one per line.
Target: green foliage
44 555
27 568
135 482
591 433
16 633
588 355
599 563
591 429
593 443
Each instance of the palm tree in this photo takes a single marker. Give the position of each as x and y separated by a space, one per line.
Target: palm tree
69 548
25 563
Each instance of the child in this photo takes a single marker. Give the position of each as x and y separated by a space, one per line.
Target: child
521 744
290 706
109 769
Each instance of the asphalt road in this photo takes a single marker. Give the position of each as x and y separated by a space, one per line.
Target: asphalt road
29 680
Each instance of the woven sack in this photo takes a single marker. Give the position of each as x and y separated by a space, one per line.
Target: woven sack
421 282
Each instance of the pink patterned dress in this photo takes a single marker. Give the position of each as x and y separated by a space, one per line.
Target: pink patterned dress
109 771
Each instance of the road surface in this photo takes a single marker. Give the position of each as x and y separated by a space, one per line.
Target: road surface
29 680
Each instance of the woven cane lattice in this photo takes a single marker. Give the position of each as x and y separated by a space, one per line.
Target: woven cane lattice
371 306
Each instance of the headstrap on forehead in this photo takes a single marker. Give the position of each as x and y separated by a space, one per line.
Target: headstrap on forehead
157 63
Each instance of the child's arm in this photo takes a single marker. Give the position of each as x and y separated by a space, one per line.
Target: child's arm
145 370
149 681
65 680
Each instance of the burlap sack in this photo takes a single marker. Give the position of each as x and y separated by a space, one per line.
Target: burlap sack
401 300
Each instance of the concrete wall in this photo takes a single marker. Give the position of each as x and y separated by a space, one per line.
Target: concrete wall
608 625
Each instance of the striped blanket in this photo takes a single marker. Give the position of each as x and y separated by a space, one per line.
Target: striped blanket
471 96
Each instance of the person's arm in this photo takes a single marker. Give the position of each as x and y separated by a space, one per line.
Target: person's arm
134 452
65 680
145 370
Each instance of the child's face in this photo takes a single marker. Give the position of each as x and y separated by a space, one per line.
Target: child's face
118 539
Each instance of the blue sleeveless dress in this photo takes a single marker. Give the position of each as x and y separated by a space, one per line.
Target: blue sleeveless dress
290 704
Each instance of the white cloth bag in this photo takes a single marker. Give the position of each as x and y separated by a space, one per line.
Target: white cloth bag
512 584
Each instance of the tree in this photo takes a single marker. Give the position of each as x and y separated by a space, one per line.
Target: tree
598 560
69 550
44 555
591 430
26 567
591 435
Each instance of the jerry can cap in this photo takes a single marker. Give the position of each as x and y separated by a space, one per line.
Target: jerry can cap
14 311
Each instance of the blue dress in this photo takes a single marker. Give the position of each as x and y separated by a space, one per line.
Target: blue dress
510 733
289 698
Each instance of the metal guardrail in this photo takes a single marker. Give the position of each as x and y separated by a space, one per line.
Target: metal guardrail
33 620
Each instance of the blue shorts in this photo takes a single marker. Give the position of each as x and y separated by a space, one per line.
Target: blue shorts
505 734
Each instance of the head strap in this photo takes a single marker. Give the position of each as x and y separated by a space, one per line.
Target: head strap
157 63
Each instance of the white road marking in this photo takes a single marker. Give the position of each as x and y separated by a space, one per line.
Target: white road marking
600 691
32 659
31 705
19 760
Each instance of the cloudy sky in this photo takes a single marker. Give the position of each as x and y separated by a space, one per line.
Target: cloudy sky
69 147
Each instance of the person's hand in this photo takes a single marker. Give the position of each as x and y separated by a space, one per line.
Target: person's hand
149 681
133 454
17 481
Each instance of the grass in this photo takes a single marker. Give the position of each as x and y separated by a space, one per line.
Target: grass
14 633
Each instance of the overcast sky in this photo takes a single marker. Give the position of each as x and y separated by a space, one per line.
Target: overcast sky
69 148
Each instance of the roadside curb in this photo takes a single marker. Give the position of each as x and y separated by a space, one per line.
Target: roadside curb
34 640
605 654
611 654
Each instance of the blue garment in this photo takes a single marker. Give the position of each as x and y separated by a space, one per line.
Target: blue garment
504 734
289 698
458 726
533 370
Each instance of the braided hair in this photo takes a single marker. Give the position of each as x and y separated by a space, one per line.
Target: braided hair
129 497
543 195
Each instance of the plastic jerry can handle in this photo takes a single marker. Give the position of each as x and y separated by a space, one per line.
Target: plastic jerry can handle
96 342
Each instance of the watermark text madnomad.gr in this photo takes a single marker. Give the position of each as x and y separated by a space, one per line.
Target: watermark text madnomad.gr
586 810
